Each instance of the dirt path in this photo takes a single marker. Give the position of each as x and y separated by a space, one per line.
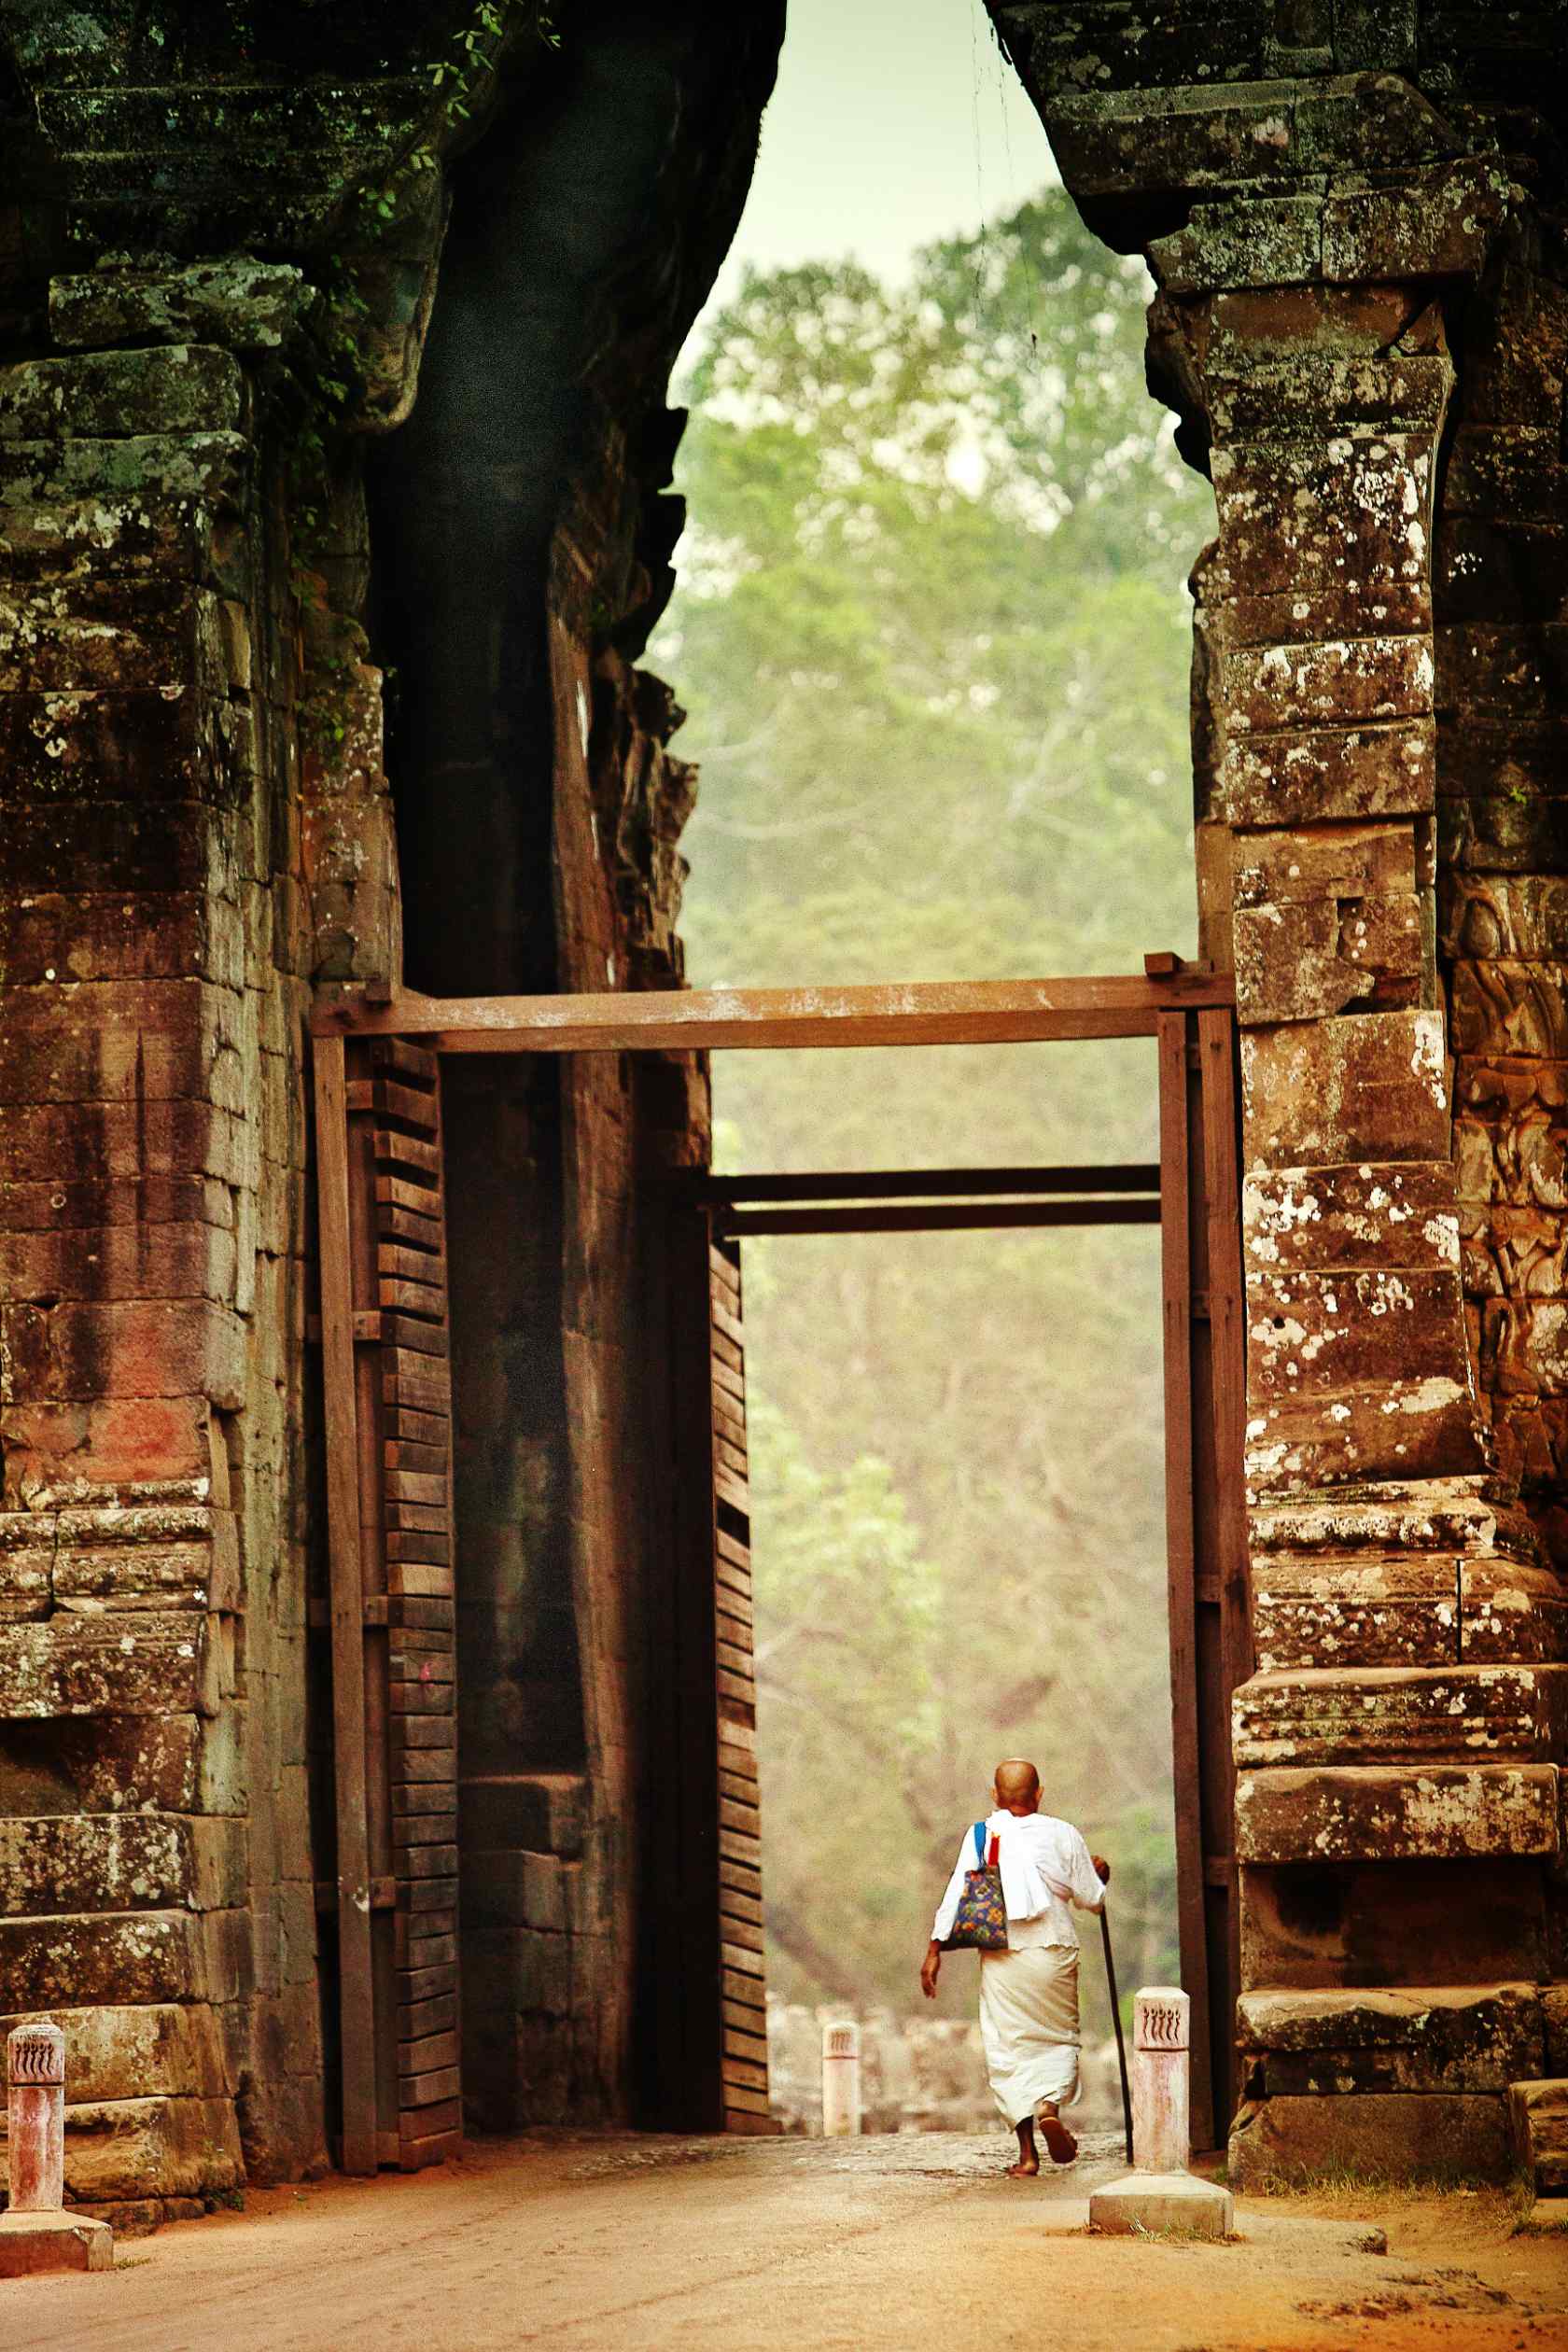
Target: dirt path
911 2243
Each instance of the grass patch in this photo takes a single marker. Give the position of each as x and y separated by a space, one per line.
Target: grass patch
1175 2233
1336 2182
1535 2217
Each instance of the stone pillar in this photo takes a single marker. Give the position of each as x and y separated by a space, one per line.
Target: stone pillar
35 2117
156 952
1161 2055
1361 329
1386 1818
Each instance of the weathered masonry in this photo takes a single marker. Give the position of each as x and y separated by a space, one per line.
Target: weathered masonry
330 347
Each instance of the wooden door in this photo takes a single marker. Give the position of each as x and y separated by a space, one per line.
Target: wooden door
385 1330
1206 1540
744 2034
705 2027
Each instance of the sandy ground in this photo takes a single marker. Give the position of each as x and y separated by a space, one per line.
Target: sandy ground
911 2242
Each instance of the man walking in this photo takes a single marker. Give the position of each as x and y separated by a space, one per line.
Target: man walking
1029 1993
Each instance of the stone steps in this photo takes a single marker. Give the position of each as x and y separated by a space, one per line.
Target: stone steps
1468 2038
1538 2131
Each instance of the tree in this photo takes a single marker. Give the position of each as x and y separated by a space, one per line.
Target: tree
934 640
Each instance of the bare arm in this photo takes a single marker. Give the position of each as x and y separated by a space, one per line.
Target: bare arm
1090 1875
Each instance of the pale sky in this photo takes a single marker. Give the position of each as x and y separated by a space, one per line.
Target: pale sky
893 121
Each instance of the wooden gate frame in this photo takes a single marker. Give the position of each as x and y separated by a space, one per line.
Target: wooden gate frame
1190 1012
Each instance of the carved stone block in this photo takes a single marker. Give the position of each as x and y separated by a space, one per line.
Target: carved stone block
1392 1714
1440 2037
1291 2139
1305 958
151 1662
1394 1214
1363 1087
1354 683
1327 1925
1298 775
1366 1813
1400 1609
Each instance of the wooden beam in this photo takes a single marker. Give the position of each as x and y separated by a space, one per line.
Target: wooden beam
356 1998
928 1013
937 1216
907 1184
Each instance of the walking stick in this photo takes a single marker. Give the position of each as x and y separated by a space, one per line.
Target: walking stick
1116 2020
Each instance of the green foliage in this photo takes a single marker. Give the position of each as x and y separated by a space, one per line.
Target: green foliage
932 634
474 51
841 1589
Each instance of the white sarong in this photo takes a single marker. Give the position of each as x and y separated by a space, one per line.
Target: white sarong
1029 2026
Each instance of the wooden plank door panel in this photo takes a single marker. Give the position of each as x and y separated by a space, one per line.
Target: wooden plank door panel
743 2022
704 2013
388 1412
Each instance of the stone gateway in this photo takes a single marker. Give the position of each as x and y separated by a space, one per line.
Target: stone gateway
336 340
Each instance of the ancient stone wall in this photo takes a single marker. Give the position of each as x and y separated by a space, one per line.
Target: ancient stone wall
219 236
155 1862
1352 218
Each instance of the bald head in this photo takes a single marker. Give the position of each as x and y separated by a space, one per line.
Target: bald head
1017 1785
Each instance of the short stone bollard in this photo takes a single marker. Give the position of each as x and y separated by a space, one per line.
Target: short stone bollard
35 2117
36 2233
841 2080
1160 2194
1161 2029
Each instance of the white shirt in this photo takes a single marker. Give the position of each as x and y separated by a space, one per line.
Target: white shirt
1045 1867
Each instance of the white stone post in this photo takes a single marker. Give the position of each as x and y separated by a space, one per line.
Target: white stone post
1160 2194
1161 2032
841 2080
36 2233
35 2117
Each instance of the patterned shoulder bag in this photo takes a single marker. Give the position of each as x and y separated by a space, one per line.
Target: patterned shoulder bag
980 1921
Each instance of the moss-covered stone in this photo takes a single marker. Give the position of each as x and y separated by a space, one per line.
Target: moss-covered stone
247 306
182 389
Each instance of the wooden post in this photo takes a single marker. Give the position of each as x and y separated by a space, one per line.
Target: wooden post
355 1992
660 2031
1216 1036
1181 1548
